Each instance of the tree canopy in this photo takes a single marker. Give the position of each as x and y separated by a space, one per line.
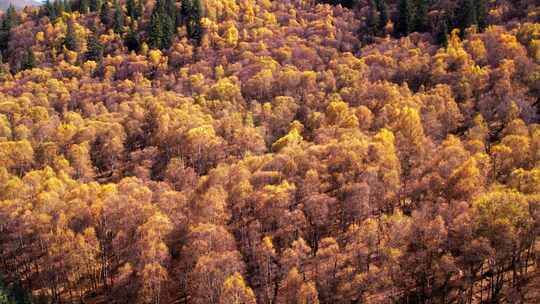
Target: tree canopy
255 151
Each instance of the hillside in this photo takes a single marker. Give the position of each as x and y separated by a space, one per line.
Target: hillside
273 152
4 4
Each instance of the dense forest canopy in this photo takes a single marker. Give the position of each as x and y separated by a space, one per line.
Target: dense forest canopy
257 151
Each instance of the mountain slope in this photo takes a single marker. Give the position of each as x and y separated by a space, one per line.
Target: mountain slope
258 151
4 4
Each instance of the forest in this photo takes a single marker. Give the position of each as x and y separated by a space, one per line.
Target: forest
270 152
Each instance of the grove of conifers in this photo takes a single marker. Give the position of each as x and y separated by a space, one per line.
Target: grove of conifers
272 152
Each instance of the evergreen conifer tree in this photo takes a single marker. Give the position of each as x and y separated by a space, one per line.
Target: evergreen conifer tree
131 9
178 17
95 5
19 294
4 298
83 6
9 20
95 48
67 6
420 16
168 31
132 40
29 61
466 14
156 28
118 25
185 11
49 10
162 27
4 69
383 14
70 41
170 7
140 8
186 6
59 7
442 32
372 21
194 26
404 24
481 13
105 14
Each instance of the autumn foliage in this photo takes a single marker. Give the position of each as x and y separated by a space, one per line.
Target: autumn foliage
257 151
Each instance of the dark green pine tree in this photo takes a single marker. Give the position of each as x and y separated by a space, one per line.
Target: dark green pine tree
481 13
162 27
95 5
95 48
404 24
442 31
20 295
372 20
4 294
131 9
9 20
168 31
4 297
383 14
178 17
172 11
4 69
156 28
15 294
140 8
420 16
194 26
29 61
118 25
59 7
83 6
70 41
67 6
49 10
185 11
170 7
466 14
132 40
105 14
